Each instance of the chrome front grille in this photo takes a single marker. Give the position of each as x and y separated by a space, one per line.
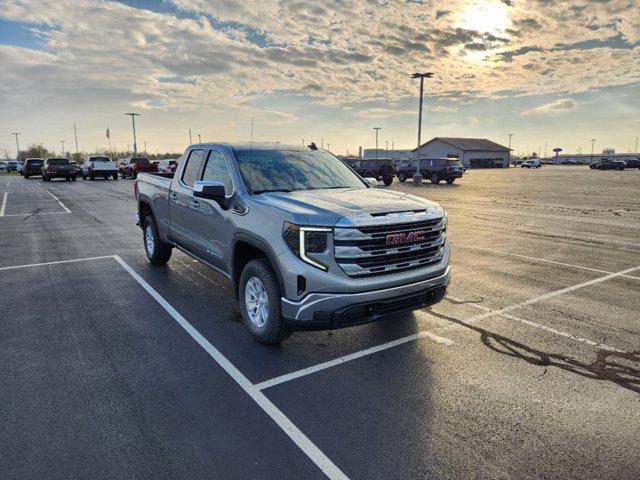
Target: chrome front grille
365 251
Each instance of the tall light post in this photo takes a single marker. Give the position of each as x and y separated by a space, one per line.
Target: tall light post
133 123
377 129
636 149
386 148
62 143
17 145
593 142
510 135
199 138
328 147
75 134
145 147
417 178
190 141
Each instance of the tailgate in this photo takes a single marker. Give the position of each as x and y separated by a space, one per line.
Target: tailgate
104 167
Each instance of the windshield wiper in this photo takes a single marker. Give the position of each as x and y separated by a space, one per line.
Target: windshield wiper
286 190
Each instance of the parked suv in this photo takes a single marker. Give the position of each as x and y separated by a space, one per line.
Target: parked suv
58 167
606 164
307 243
32 166
532 163
435 169
134 165
380 169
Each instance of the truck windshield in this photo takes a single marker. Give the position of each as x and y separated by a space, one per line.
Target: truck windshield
58 161
289 170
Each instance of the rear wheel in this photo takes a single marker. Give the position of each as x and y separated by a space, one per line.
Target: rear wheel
402 177
73 179
451 180
435 178
260 299
115 176
387 180
158 252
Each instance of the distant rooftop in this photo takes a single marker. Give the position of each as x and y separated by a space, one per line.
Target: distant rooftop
254 145
470 144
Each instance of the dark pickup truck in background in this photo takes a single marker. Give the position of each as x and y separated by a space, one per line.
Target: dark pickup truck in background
58 167
307 243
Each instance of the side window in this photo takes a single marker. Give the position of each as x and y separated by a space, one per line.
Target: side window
216 171
356 164
191 169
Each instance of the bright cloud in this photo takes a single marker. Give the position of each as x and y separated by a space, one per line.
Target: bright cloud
559 106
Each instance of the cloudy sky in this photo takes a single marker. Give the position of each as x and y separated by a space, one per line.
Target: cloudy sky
549 71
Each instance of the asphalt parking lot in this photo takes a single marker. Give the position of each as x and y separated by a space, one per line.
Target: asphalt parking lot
530 368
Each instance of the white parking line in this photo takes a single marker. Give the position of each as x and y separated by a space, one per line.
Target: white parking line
4 204
28 265
555 331
61 204
552 294
536 259
353 356
294 433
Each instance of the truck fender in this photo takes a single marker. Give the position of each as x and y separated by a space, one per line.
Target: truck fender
264 247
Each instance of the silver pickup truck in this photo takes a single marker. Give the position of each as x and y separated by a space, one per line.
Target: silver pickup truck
307 243
99 166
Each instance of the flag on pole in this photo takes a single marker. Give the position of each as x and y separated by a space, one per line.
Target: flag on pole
108 135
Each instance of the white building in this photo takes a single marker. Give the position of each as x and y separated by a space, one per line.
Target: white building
472 152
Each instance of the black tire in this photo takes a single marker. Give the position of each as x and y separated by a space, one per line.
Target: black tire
451 180
92 177
115 176
73 179
387 180
435 178
122 174
161 251
402 177
134 175
369 174
27 176
275 329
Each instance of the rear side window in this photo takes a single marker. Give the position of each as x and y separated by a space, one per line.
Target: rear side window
191 169
216 171
139 160
58 161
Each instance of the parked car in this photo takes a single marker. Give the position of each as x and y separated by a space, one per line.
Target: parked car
380 169
435 169
32 166
13 165
4 167
76 167
307 242
168 166
20 168
58 167
532 163
633 163
606 164
99 166
135 165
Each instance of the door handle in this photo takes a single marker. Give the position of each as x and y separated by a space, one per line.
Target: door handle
195 203
173 196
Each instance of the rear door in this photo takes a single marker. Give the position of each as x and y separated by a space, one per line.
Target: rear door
182 211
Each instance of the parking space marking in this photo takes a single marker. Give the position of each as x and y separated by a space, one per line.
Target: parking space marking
61 204
543 260
294 433
555 293
555 331
74 260
353 356
4 204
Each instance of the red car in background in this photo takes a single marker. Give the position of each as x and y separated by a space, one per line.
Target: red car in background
134 165
168 166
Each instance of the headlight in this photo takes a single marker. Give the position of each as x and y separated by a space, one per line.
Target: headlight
303 240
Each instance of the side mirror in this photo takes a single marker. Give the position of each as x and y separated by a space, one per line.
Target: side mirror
209 190
373 183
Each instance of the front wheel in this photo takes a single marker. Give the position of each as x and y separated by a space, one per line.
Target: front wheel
451 180
435 178
387 180
115 176
402 177
260 299
158 252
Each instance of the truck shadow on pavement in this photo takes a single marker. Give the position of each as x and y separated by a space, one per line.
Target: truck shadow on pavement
617 367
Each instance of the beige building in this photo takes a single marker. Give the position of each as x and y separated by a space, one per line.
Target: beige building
472 152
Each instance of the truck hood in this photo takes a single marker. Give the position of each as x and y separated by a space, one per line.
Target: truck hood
359 205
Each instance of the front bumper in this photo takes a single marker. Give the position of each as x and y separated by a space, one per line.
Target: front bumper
335 310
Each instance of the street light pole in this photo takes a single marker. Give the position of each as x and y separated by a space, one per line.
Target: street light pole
133 123
417 178
510 135
75 134
377 129
17 145
593 141
199 138
62 142
636 149
190 141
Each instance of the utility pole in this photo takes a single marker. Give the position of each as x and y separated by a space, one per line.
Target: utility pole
40 145
190 141
636 149
322 142
145 147
133 123
75 134
62 142
199 138
17 145
377 129
510 135
417 178
386 148
593 142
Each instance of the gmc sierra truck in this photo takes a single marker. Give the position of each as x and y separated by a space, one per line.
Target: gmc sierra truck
307 243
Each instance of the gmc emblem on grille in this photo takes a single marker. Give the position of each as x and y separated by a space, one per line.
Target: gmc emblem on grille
411 237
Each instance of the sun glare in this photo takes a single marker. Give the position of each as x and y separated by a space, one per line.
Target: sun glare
487 16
